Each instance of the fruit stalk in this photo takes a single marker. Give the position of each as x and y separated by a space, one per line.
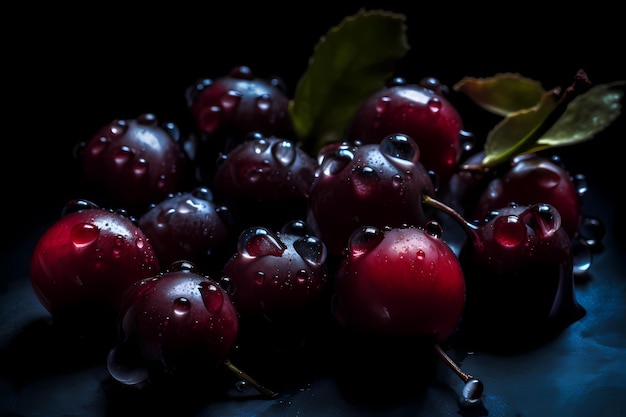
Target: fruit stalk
241 374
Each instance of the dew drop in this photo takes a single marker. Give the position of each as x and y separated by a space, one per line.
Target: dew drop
181 306
434 104
284 152
202 193
187 207
383 104
74 206
260 145
311 249
118 128
83 234
420 255
509 231
295 228
124 366
212 296
122 155
302 276
334 164
400 147
118 247
183 266
242 386
264 103
140 243
473 390
210 118
99 145
259 241
364 180
230 100
543 218
164 215
364 239
467 140
259 278
140 167
434 228
581 184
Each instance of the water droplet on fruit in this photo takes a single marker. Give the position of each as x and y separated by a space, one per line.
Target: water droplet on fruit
420 255
364 239
284 152
383 104
74 206
122 155
401 147
311 249
98 146
364 180
434 228
264 103
230 100
202 193
302 276
118 128
259 241
212 296
140 167
124 366
209 118
140 243
295 227
183 266
434 104
83 234
242 386
543 218
509 231
181 306
118 247
335 163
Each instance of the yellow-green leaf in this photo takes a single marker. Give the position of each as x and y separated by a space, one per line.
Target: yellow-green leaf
502 94
587 115
514 135
352 61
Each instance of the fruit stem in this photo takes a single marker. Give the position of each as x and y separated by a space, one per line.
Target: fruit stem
433 202
448 361
240 374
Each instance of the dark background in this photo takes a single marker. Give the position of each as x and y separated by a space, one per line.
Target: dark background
68 71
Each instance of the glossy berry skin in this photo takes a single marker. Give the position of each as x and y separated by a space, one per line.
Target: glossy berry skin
400 281
187 226
131 163
176 322
228 108
366 185
420 111
87 259
265 180
518 263
276 271
533 179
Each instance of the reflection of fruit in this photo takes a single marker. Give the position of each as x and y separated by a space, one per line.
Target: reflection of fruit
176 323
133 163
519 275
419 111
87 259
400 281
378 184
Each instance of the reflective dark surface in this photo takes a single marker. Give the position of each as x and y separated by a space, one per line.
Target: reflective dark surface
80 74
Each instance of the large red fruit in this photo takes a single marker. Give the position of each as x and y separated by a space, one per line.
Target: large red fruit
400 281
88 258
421 112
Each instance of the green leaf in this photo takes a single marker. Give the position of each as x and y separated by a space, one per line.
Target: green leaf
587 115
351 62
514 135
501 94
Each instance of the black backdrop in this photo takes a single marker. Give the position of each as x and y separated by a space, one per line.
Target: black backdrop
68 70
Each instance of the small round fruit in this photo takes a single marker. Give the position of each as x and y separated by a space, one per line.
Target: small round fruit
174 323
421 112
403 281
132 163
88 258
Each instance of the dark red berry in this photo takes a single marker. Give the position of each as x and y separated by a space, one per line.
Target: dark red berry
132 163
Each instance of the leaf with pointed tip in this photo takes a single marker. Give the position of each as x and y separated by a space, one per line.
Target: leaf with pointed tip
352 61
587 115
514 135
502 94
